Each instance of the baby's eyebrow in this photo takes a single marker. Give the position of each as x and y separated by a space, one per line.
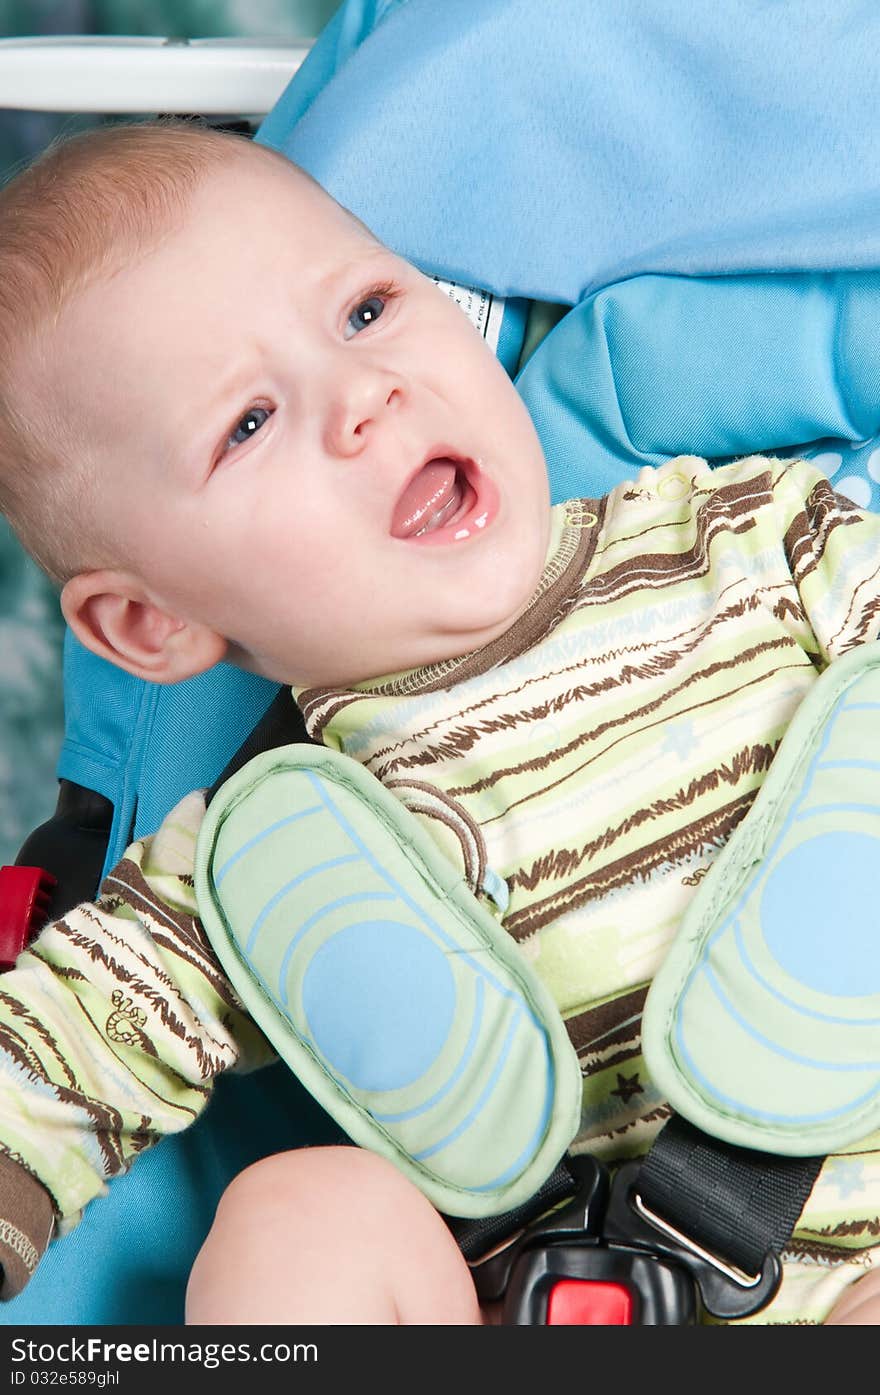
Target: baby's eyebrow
361 262
233 387
332 282
212 417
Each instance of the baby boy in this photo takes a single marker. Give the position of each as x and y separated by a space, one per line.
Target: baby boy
233 425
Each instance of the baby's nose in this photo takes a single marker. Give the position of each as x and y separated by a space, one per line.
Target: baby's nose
358 409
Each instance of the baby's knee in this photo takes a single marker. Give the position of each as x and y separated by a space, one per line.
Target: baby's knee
280 1221
313 1182
328 1234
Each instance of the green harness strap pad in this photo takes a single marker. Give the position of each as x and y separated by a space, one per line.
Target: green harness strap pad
389 990
763 1025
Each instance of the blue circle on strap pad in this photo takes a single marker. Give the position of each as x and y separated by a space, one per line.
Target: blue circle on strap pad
819 913
379 998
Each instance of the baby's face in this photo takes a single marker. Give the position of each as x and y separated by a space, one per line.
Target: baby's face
307 447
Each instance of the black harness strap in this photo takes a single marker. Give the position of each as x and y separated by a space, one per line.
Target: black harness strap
737 1203
280 725
476 1238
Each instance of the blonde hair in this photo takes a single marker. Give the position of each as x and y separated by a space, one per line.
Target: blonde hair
88 206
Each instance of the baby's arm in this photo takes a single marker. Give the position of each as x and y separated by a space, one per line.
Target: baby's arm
815 558
113 1027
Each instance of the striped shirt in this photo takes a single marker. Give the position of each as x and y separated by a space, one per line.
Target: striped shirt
594 759
600 753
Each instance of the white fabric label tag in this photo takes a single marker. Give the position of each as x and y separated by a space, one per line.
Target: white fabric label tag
484 310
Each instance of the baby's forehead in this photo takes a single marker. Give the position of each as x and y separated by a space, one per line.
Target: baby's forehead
256 234
256 213
260 172
260 213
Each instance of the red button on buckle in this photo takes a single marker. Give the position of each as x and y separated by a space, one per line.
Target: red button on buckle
589 1303
24 901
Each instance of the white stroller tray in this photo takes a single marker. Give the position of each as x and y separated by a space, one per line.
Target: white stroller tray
100 74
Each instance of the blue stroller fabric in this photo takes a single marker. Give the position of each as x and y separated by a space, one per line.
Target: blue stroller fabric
660 366
646 163
550 150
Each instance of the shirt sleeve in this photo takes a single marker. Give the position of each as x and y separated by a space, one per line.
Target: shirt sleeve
115 1024
831 550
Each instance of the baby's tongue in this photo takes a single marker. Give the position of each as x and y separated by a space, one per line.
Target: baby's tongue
429 499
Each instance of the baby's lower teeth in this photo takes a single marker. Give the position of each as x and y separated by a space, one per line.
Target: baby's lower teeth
443 515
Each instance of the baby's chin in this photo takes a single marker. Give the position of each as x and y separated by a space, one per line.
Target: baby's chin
395 664
453 635
471 638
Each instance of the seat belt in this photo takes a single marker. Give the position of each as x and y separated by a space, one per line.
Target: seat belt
698 1223
736 1203
281 724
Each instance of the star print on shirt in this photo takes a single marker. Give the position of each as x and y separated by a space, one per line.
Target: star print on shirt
679 739
847 1176
627 1086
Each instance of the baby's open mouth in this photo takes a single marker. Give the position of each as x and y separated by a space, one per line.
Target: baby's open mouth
439 494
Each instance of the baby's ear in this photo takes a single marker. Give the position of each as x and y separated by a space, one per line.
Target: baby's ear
112 614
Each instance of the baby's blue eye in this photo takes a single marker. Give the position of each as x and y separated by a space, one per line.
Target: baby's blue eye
249 425
366 313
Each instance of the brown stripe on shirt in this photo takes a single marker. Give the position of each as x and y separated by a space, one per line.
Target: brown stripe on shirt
17 1049
187 939
712 831
609 1035
608 1023
155 991
808 533
784 644
726 510
459 739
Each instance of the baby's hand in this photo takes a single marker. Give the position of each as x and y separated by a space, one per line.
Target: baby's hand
859 1306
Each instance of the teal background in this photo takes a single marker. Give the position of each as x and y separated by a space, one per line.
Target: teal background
31 629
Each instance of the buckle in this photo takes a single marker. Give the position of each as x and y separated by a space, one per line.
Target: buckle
730 1271
604 1252
724 1290
25 893
561 1270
